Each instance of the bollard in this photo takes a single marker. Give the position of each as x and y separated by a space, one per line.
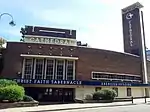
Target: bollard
132 99
145 100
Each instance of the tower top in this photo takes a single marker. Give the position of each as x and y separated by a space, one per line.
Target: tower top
132 7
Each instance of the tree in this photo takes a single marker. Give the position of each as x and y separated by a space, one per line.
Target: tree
2 42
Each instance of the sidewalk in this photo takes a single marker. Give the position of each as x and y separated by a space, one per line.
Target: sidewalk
72 106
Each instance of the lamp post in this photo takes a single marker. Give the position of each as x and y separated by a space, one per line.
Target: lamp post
11 23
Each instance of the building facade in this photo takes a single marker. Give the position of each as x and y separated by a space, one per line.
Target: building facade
53 66
60 70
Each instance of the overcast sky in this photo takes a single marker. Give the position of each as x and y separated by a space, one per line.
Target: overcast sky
98 22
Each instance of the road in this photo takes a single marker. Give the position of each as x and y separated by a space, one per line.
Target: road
131 108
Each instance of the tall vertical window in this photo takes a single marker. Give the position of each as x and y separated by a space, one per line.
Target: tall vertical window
49 69
70 70
28 64
39 66
60 69
129 92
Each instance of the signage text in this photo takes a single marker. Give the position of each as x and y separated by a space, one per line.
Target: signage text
60 41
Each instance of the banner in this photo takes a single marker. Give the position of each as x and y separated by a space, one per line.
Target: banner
78 82
132 32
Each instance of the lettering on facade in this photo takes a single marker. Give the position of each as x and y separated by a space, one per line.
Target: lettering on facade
51 40
129 16
115 84
36 81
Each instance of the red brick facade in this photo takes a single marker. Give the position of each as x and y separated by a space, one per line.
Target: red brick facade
90 59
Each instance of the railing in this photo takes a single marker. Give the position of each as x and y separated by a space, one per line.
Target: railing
131 99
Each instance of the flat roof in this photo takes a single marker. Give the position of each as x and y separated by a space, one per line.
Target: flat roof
132 7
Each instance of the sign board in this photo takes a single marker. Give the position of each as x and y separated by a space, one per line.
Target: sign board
45 40
132 30
42 81
49 32
77 82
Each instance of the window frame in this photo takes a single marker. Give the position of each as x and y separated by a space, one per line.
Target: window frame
45 70
63 69
23 68
35 67
73 67
129 94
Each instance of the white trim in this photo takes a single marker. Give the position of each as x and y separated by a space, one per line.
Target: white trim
46 56
55 74
116 79
54 69
45 69
34 68
144 66
116 73
23 70
64 69
74 70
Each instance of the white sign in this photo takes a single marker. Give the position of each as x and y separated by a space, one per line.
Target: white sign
129 16
60 41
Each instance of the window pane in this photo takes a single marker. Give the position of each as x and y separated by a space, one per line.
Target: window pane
70 70
49 69
39 69
129 92
110 76
28 63
60 69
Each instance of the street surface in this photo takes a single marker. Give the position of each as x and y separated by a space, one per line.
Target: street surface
130 108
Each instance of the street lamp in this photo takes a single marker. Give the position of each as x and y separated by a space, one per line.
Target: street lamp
11 23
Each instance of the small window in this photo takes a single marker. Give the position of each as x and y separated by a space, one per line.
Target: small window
116 89
129 92
98 89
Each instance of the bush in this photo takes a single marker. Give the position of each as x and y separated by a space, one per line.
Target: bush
12 93
98 95
109 94
88 97
6 82
105 94
27 98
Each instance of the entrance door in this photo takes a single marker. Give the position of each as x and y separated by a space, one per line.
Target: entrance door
57 94
51 94
68 95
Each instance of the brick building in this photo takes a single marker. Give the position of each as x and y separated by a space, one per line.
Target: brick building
52 66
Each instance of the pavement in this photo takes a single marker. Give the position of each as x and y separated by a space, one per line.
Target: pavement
129 108
61 107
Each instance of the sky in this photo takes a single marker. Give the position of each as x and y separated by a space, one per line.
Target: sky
97 22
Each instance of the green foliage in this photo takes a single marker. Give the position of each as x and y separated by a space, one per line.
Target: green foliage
12 93
27 98
105 94
6 82
2 41
98 95
88 97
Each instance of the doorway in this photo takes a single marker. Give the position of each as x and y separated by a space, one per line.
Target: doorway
63 95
